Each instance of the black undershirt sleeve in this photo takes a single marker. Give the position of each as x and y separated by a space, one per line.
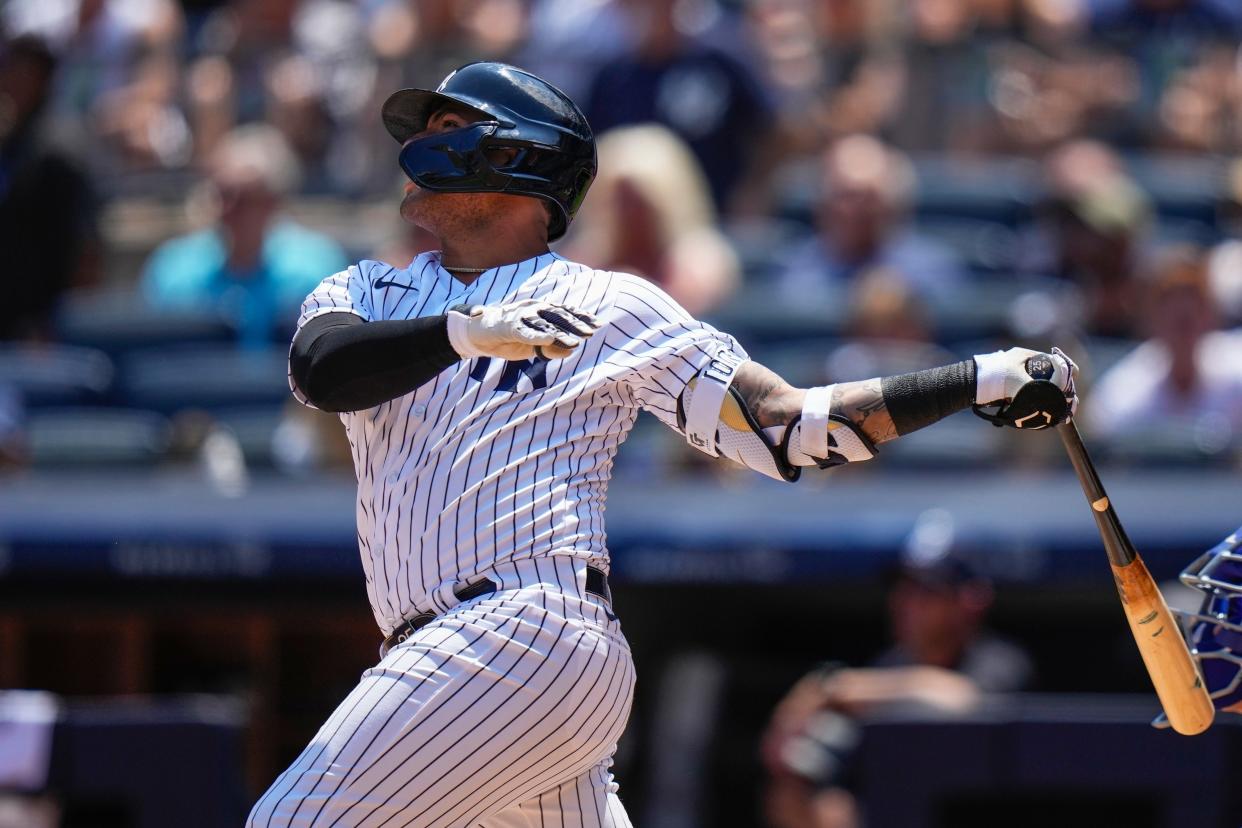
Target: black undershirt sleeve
925 397
342 363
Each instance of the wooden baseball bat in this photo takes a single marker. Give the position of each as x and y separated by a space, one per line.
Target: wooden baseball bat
1173 672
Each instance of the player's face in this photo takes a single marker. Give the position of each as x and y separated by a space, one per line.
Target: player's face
441 213
445 120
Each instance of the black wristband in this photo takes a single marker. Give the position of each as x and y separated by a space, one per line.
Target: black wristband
925 397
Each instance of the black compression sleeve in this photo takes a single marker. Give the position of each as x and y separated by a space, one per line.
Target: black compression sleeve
342 363
924 397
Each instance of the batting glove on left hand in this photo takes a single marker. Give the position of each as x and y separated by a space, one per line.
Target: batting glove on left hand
1031 390
519 330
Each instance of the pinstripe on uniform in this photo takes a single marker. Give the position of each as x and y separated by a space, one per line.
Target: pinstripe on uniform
506 709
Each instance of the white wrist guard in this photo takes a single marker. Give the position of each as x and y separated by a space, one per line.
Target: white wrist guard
820 438
458 324
715 419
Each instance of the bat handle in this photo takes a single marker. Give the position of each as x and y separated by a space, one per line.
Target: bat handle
1091 485
1116 544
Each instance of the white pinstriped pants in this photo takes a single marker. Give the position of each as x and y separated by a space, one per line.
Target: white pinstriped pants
502 713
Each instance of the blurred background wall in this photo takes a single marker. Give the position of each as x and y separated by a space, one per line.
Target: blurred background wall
852 187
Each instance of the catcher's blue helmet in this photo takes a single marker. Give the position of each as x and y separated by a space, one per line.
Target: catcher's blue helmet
555 149
1215 632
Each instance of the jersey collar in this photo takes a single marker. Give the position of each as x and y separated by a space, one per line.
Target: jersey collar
508 276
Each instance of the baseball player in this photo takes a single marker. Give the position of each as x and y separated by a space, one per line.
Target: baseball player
485 389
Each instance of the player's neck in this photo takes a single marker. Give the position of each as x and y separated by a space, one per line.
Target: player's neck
477 251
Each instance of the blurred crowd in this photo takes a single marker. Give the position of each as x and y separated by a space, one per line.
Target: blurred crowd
853 187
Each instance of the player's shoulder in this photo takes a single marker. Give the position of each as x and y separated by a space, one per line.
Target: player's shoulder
614 285
643 298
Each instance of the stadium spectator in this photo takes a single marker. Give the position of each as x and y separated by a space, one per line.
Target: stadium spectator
253 264
650 213
696 89
943 660
1185 381
1095 224
888 330
117 80
1181 54
1196 110
945 62
1225 264
833 68
866 192
571 40
309 67
48 207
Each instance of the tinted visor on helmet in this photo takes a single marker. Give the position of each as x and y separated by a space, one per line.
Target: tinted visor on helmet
452 161
473 159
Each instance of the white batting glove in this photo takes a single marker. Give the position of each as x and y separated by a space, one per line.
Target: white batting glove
1000 378
519 330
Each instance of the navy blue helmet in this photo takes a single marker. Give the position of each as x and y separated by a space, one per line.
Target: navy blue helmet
552 149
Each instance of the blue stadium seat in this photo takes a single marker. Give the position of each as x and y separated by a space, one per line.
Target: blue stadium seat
959 441
1168 445
254 426
55 374
205 377
120 322
94 436
985 246
1000 190
754 315
803 362
1185 189
1003 307
863 359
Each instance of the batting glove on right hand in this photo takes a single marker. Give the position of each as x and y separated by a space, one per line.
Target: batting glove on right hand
518 330
1031 390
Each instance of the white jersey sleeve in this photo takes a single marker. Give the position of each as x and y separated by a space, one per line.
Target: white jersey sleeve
345 292
663 347
348 290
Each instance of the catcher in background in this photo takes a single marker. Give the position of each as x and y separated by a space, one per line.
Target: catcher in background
1215 630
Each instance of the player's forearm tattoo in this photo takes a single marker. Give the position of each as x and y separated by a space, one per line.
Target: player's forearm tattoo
863 403
768 397
775 402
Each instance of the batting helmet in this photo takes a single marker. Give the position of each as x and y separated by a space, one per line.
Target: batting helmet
554 156
1216 629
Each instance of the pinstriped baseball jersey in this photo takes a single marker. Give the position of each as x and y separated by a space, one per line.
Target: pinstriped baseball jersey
494 462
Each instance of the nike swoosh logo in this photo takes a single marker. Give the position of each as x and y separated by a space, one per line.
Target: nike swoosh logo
381 283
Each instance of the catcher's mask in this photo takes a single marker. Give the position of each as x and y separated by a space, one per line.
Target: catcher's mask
530 139
1215 631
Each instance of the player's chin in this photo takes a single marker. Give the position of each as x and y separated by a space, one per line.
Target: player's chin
412 204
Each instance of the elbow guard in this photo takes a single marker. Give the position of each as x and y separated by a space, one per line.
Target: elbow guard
817 437
716 421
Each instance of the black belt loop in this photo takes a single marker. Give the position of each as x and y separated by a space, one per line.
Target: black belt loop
596 583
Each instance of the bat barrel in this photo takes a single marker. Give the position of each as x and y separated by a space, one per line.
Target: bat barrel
1173 672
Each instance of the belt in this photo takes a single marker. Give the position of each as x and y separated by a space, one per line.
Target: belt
596 584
